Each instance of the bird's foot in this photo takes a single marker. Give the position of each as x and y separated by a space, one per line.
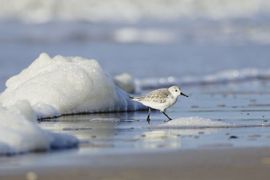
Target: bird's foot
167 120
148 120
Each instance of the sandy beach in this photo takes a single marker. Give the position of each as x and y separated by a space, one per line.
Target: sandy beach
204 164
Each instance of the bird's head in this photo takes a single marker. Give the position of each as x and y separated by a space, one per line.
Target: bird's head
175 91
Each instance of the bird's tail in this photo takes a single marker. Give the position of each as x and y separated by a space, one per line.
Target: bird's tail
134 98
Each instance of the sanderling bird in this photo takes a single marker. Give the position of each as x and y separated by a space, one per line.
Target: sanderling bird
160 99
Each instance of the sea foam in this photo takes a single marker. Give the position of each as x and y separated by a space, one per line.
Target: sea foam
40 11
20 132
51 87
66 85
194 123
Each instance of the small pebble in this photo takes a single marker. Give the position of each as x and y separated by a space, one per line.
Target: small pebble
254 136
233 137
31 176
221 105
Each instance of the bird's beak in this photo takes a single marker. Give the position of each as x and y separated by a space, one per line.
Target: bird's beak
183 94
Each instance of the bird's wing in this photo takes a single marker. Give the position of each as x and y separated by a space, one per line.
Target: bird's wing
159 96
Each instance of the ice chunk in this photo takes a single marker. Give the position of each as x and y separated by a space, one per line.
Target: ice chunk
65 85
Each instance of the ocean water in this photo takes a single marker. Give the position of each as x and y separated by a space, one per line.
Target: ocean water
219 56
205 120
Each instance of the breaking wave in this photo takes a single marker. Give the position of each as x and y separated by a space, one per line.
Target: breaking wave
222 77
40 11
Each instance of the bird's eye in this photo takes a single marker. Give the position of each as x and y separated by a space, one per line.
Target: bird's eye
176 90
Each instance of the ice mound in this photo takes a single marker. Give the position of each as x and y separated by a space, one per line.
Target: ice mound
193 122
66 85
20 132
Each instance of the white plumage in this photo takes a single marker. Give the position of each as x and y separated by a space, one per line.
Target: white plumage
160 99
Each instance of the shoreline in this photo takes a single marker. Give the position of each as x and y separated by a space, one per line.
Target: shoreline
225 163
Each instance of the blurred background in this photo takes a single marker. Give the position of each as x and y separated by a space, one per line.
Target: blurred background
165 40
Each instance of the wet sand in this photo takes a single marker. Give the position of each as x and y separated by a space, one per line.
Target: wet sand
122 146
204 164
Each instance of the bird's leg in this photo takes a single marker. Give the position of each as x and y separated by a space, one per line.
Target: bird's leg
167 116
148 116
